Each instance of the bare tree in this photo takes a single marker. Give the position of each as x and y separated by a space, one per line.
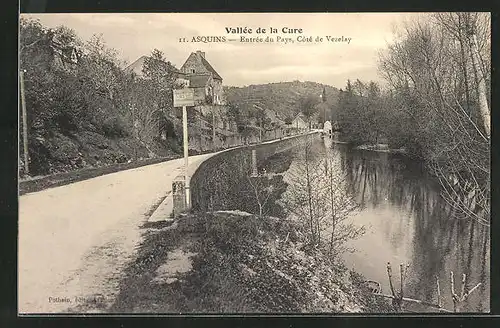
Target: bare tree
318 197
262 190
340 205
439 65
304 197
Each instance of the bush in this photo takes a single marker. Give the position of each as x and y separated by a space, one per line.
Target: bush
115 126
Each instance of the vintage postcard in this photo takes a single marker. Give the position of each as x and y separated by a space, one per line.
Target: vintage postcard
254 163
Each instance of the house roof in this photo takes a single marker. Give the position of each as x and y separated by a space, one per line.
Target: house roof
198 81
137 66
204 62
210 68
299 116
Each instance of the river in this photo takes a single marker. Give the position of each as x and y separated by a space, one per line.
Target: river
406 221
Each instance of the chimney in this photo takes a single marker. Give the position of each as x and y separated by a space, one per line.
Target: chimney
200 53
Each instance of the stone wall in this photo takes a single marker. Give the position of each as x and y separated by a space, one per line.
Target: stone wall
220 183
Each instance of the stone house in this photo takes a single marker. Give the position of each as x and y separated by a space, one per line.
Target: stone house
204 79
196 73
299 123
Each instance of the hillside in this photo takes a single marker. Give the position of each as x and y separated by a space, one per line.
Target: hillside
84 110
281 96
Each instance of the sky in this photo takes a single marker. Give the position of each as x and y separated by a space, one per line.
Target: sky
240 63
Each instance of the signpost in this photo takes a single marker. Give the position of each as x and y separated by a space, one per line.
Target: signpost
184 97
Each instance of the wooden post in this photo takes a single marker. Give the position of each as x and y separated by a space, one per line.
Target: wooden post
25 125
183 98
438 292
389 274
186 153
401 274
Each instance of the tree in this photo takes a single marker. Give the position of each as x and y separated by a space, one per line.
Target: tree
53 96
436 68
150 99
101 67
303 197
340 204
306 105
160 76
355 114
263 190
317 196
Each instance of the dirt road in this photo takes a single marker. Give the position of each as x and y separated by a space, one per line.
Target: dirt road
74 240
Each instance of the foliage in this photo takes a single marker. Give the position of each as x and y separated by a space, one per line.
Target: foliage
73 87
436 105
306 105
241 263
437 70
280 97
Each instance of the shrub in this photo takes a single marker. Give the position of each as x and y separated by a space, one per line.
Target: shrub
115 126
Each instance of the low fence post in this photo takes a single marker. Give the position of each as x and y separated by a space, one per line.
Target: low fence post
179 196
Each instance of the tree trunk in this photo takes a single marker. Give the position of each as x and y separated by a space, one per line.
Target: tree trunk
309 195
483 101
464 67
334 219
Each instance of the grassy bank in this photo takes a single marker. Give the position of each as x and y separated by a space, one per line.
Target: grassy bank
235 262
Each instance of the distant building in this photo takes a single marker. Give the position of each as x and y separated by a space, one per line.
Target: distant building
299 123
197 73
327 128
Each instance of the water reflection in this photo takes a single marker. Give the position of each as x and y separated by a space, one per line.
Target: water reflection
408 222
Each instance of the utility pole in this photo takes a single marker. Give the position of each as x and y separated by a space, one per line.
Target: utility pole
25 124
260 121
213 128
260 130
200 131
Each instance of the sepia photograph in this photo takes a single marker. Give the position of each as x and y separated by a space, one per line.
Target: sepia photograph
254 163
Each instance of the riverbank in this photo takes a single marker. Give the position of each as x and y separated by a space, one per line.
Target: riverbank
384 148
235 262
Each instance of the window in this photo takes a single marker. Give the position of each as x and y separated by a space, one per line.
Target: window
192 70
